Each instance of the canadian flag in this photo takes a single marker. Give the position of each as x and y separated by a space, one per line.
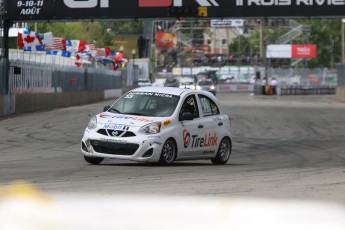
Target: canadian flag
29 39
75 46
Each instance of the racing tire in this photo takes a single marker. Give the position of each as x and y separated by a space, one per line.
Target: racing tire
93 160
169 152
224 152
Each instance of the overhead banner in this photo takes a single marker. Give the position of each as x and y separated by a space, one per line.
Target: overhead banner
291 51
25 10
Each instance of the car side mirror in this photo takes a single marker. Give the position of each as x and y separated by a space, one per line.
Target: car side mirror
186 116
106 108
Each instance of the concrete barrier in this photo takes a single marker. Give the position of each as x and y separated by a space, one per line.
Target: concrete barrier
235 88
27 103
340 94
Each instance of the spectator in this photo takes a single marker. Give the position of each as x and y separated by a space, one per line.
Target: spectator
263 86
274 83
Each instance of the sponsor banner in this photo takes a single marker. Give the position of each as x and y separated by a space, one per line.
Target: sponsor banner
291 51
108 9
227 23
303 51
224 88
177 71
278 51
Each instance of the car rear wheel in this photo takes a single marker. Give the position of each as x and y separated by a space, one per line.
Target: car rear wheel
169 152
224 152
93 160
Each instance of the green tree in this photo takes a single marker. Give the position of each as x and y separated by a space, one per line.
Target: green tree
326 34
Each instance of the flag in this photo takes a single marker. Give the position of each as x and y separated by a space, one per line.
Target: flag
29 39
112 53
78 60
48 39
20 42
66 54
58 44
90 50
51 52
90 47
34 48
102 52
106 61
75 46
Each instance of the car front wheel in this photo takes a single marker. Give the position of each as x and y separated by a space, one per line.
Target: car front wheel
93 160
169 152
224 152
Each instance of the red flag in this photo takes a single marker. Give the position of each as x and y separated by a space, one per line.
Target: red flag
107 51
20 42
78 60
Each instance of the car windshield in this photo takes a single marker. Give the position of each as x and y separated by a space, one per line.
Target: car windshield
146 104
205 83
187 83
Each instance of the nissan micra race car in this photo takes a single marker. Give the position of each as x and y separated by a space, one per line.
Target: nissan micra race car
159 124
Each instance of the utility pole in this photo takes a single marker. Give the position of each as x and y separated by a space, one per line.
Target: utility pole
342 40
5 27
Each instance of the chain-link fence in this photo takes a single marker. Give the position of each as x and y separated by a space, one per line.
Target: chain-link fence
305 77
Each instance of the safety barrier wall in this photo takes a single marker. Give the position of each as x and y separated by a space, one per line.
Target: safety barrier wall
226 88
340 93
35 86
307 90
341 74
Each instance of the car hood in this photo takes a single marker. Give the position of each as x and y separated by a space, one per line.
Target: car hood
128 120
205 87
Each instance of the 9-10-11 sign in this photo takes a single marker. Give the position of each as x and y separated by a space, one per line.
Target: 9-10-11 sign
115 9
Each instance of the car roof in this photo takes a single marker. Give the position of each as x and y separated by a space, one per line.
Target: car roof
169 90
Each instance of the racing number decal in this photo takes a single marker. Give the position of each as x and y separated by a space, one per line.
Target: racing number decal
186 138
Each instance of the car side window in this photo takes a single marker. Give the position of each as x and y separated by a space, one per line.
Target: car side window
208 106
190 105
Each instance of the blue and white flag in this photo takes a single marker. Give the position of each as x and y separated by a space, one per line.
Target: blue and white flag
34 48
51 52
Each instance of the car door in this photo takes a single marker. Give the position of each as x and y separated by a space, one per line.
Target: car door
212 125
191 130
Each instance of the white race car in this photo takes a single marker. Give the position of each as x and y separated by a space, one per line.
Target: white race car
159 124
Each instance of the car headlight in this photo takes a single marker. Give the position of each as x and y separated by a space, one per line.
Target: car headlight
151 128
92 123
198 87
212 87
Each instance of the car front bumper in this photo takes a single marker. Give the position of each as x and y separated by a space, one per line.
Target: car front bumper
143 148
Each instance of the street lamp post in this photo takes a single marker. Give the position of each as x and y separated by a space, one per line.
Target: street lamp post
134 52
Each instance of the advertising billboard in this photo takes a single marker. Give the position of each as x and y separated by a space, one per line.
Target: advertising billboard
110 9
291 51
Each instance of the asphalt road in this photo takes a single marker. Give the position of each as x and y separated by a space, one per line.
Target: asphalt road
284 147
